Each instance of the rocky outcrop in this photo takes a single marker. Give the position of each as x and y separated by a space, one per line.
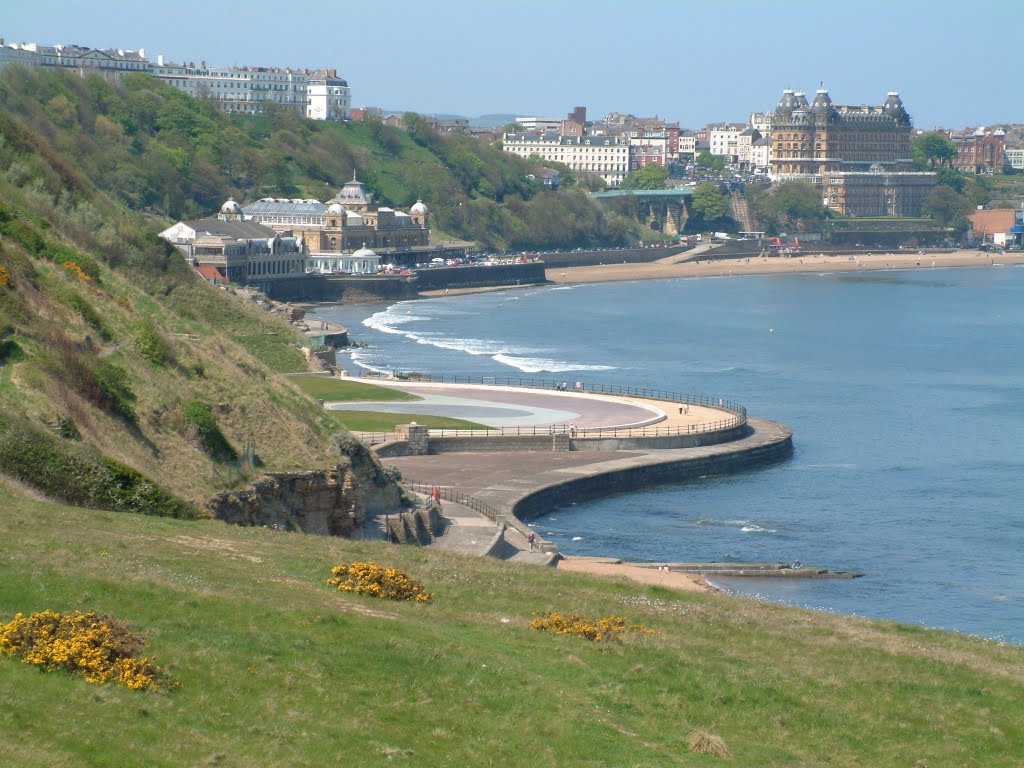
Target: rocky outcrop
330 502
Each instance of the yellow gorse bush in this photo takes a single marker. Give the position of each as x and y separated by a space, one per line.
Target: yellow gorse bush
77 271
99 648
5 276
385 583
610 628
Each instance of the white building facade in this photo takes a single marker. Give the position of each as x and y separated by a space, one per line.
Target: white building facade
316 94
328 97
604 156
724 140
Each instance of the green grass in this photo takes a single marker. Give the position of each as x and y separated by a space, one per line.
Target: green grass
344 391
377 421
277 669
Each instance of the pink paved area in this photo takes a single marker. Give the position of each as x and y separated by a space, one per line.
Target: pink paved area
507 406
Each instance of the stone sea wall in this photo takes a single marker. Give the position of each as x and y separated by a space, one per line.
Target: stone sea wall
603 484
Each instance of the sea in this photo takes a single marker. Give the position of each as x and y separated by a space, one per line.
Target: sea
904 390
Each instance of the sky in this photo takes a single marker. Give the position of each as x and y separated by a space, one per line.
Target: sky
692 61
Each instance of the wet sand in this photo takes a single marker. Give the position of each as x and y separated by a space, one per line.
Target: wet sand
762 265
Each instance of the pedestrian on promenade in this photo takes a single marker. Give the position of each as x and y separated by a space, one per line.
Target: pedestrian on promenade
533 540
686 409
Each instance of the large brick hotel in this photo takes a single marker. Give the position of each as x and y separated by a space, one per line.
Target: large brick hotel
858 155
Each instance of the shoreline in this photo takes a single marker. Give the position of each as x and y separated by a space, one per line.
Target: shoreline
757 265
753 265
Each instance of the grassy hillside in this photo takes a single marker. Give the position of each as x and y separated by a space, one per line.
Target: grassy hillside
102 354
277 669
155 149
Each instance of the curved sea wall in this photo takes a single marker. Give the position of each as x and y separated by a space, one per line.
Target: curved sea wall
655 470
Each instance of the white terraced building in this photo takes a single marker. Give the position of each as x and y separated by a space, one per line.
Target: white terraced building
604 156
316 94
319 95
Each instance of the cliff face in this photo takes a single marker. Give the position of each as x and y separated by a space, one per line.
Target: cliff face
330 502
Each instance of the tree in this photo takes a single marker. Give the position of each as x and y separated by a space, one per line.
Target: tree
798 202
947 207
651 176
932 148
512 128
708 203
711 162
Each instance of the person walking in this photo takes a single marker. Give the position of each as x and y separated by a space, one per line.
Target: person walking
532 539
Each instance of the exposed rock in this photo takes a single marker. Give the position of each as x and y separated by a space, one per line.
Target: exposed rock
330 501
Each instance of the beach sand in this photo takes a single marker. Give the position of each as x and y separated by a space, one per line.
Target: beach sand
685 582
763 265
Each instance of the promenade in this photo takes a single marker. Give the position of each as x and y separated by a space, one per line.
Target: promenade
514 485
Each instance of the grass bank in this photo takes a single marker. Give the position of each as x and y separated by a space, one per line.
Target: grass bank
346 391
276 669
378 421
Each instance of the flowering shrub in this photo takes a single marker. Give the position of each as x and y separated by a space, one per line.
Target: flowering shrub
77 271
598 630
385 583
100 648
5 276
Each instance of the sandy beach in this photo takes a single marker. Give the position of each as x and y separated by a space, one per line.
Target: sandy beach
685 582
764 265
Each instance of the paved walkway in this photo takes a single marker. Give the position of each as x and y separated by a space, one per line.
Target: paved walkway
497 406
501 480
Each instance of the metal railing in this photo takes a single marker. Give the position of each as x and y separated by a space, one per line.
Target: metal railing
454 496
738 411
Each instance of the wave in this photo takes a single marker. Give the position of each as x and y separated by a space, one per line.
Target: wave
756 529
577 538
358 357
538 364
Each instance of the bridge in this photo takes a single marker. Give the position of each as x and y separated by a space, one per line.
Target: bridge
663 210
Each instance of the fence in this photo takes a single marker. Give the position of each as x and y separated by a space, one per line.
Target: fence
454 496
738 418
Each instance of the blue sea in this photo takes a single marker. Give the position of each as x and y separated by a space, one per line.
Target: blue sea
904 390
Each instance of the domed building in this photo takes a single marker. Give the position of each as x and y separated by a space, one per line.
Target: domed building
858 155
334 231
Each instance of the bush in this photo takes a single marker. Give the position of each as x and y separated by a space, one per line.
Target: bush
152 345
75 475
88 313
113 381
208 433
610 628
702 743
384 583
99 648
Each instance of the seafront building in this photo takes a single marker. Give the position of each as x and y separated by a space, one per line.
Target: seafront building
349 222
348 234
858 155
316 94
237 250
604 156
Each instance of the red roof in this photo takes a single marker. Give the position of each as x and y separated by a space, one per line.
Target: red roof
213 274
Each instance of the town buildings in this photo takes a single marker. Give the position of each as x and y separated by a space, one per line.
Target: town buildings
604 156
724 140
858 155
274 238
242 251
337 234
982 152
316 94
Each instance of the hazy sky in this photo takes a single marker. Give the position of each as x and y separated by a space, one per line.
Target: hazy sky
695 62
